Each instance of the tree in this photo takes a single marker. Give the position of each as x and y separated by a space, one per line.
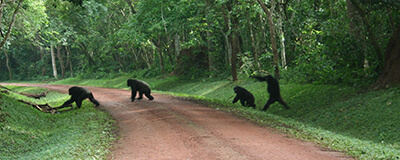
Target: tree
233 39
272 37
8 32
10 25
390 74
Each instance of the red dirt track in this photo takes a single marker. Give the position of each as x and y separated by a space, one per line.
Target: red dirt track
168 128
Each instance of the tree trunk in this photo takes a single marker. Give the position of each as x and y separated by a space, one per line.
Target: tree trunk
356 29
11 24
235 50
53 62
61 61
42 60
282 35
8 66
177 46
210 52
160 55
82 46
368 30
69 59
234 40
390 74
272 37
253 44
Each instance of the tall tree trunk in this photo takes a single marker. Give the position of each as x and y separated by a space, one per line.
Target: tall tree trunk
11 24
226 32
234 40
53 62
8 66
160 55
177 46
210 52
253 44
169 42
42 60
235 50
390 74
282 34
69 59
84 49
368 30
210 48
273 38
356 29
60 59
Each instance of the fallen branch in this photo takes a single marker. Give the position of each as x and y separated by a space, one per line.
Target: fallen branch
36 96
46 107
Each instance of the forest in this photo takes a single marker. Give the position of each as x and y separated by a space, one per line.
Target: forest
352 42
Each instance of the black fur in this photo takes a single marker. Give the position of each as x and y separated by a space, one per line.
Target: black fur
245 97
273 90
141 87
78 94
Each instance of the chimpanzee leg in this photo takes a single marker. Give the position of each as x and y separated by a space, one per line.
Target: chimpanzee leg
269 102
80 99
283 103
140 95
94 101
243 103
147 94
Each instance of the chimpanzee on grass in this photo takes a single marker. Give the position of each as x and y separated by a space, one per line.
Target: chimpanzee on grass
273 90
141 87
245 97
78 94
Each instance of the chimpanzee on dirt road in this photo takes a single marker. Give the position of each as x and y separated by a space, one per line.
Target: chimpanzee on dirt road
141 87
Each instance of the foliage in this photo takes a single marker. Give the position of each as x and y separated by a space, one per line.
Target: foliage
97 38
30 134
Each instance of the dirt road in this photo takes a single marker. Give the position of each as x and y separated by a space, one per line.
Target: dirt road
168 128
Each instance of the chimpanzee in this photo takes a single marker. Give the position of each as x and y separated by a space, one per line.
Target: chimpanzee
141 87
273 90
245 97
78 94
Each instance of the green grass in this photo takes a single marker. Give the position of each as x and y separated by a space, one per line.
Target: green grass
364 124
28 133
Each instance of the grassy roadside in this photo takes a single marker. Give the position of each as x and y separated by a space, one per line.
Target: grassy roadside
28 133
364 124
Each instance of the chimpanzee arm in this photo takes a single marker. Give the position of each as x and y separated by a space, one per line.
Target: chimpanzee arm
133 93
66 103
235 99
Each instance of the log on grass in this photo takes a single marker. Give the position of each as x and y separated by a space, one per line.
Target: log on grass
36 96
46 107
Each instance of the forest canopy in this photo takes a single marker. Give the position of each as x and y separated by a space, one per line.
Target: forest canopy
308 41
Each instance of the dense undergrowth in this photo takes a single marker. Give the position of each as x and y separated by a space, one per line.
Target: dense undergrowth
27 133
362 123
